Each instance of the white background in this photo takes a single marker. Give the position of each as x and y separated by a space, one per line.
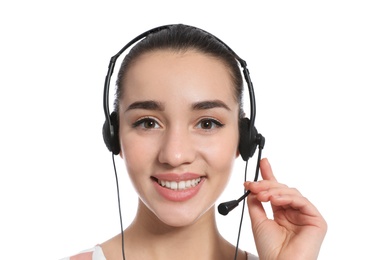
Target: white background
312 65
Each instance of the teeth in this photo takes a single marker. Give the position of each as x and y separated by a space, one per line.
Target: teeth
181 185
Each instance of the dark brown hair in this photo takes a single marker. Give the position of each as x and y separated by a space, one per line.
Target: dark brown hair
181 37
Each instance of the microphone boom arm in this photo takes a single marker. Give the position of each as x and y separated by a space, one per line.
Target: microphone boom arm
226 207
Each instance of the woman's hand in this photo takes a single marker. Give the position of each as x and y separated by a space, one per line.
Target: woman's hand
297 229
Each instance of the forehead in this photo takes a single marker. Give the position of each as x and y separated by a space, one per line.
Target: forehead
170 71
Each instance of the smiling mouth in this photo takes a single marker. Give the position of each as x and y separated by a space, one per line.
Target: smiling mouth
179 185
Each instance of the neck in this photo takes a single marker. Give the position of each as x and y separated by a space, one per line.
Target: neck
149 238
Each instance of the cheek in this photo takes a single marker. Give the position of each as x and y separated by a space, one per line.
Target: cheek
139 157
138 154
221 155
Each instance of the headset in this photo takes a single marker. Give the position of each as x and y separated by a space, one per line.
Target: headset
249 139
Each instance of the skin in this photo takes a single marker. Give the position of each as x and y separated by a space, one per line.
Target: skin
297 229
181 117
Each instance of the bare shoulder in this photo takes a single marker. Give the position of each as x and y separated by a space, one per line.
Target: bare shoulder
94 253
112 248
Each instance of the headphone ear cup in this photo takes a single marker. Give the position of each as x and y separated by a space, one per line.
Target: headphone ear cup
110 134
247 143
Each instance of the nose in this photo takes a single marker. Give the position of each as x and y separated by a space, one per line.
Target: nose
177 147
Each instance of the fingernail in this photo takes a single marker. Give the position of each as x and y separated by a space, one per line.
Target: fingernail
247 183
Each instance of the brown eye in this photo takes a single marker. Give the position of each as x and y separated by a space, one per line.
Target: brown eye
208 124
146 123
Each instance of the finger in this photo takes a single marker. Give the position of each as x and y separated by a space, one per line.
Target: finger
263 185
266 170
265 195
256 210
299 203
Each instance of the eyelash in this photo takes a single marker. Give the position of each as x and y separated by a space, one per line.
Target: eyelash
141 123
217 124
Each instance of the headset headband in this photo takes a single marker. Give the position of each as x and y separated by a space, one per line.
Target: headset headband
248 132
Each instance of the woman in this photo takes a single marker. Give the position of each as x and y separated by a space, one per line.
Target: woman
178 106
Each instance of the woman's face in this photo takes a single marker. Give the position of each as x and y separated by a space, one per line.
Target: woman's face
178 132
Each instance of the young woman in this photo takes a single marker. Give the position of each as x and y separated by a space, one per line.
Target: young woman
178 106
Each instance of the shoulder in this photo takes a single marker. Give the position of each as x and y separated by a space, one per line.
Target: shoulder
95 253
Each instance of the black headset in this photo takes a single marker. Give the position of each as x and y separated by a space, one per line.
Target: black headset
249 137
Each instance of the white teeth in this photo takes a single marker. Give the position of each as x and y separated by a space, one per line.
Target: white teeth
174 185
181 185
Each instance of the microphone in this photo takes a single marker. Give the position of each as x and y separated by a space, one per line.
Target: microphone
226 207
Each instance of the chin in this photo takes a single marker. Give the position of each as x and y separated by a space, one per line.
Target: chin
179 216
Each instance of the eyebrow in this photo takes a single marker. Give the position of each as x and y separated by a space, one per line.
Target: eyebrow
148 105
154 105
209 104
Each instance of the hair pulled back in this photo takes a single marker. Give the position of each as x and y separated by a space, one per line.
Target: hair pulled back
182 37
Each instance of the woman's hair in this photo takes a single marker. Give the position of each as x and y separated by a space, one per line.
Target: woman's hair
181 38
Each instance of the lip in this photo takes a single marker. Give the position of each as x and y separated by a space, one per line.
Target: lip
177 195
177 177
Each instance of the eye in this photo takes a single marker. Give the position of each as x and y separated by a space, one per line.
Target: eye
146 123
209 124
